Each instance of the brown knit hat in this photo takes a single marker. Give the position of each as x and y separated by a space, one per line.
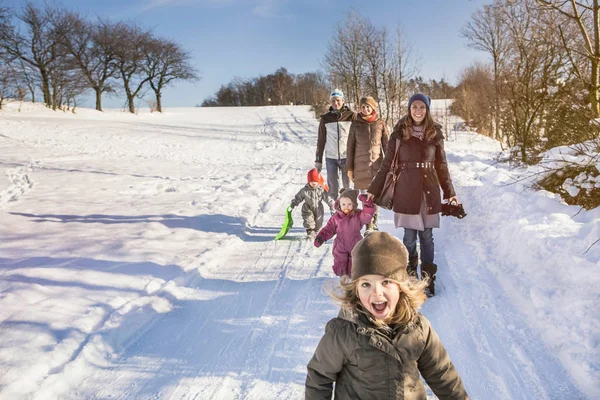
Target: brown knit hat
380 254
370 101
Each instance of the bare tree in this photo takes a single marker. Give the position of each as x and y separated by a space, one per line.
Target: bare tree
486 32
585 16
93 49
37 46
344 58
281 87
165 62
8 82
533 66
474 97
27 78
403 67
311 88
374 45
130 53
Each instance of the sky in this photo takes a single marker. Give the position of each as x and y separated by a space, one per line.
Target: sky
250 38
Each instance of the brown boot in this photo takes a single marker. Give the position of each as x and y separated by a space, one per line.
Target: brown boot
428 271
413 262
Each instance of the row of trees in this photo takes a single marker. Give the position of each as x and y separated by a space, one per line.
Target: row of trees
280 88
312 88
60 54
541 86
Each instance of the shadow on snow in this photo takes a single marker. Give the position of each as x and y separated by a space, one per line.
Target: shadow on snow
210 223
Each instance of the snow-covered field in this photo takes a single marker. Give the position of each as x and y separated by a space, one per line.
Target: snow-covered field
137 261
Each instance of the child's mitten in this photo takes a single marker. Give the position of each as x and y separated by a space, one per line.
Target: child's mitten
318 241
364 199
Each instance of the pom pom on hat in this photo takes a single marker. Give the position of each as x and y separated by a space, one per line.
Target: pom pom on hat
420 96
337 93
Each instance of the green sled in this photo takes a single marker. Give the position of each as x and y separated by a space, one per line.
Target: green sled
287 224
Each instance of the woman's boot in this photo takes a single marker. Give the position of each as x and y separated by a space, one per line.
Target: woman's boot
428 270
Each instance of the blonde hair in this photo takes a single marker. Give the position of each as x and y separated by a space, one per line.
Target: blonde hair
412 297
407 127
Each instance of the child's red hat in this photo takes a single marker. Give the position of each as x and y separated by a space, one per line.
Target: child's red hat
315 176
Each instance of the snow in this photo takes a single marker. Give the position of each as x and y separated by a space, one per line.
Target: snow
137 261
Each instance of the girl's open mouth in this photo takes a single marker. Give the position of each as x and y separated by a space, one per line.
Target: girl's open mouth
379 306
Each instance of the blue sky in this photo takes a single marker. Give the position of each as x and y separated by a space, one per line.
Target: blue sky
248 38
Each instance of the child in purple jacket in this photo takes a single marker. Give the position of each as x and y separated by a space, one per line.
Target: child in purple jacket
345 225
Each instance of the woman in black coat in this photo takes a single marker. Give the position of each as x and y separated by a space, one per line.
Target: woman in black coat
423 169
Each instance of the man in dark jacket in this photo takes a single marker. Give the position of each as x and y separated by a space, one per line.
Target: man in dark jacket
333 140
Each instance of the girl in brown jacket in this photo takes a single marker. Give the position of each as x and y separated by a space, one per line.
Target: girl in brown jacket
380 345
367 138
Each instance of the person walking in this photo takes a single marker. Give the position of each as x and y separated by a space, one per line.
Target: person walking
332 142
367 139
423 170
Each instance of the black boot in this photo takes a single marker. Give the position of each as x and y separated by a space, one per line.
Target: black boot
413 262
428 271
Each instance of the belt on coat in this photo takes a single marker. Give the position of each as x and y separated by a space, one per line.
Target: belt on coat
415 164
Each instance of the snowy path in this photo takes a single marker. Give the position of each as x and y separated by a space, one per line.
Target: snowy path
137 261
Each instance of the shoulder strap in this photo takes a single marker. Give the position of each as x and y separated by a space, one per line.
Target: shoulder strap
395 159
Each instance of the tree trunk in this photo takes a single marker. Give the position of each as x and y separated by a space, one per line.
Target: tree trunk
46 88
595 61
130 103
130 99
98 98
496 122
158 101
594 104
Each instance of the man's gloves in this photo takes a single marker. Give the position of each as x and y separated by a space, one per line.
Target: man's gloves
318 166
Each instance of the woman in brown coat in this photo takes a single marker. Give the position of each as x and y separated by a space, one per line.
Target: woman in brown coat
423 170
380 345
367 138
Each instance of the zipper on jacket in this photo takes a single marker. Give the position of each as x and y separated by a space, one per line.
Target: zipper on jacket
338 140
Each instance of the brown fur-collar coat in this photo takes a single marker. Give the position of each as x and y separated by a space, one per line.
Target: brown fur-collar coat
366 142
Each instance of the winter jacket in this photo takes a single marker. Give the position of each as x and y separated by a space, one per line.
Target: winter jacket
414 183
346 229
333 133
367 363
312 209
366 142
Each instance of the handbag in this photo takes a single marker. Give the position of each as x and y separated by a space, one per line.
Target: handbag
386 197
